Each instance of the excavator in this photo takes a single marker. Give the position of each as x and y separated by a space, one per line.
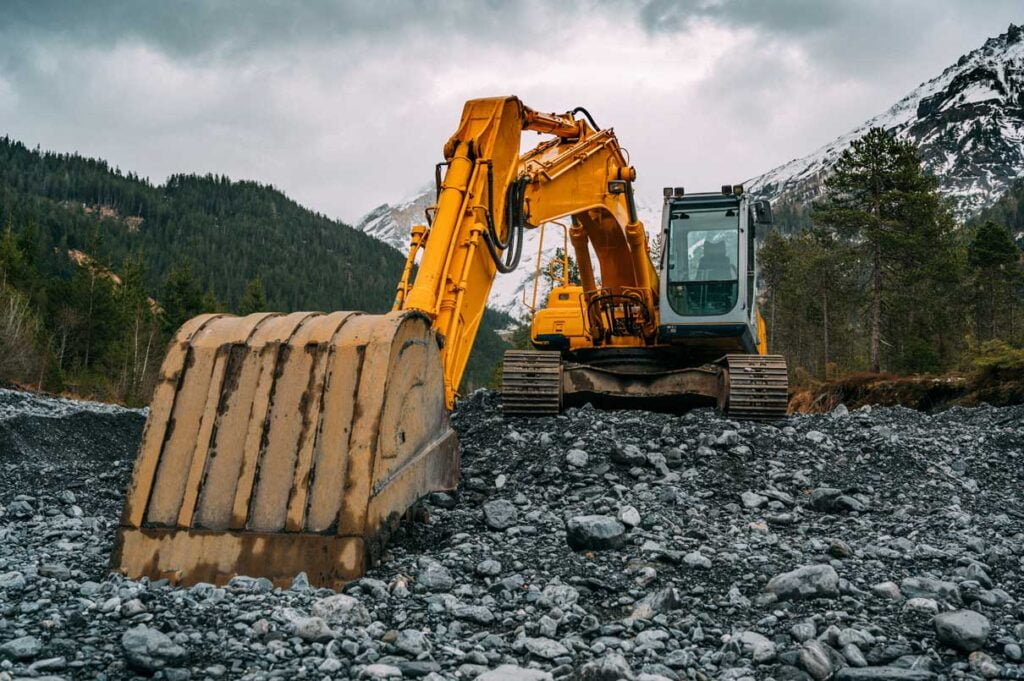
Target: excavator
286 443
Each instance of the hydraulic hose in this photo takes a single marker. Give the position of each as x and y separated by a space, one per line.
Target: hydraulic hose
515 219
590 118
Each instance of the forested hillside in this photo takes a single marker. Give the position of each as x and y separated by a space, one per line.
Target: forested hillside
99 266
878 276
1008 211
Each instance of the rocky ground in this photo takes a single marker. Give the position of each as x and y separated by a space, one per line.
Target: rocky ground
877 544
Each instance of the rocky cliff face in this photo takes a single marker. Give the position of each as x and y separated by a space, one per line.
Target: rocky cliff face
968 123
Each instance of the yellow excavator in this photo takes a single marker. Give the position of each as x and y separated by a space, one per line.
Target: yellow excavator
287 443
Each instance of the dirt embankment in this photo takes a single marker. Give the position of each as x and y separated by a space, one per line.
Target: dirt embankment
996 386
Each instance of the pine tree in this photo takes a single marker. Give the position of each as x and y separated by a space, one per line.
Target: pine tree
183 297
254 300
996 279
12 260
881 202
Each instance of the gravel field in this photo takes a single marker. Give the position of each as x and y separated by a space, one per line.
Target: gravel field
595 546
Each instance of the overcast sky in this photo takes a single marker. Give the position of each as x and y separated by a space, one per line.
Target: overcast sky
345 105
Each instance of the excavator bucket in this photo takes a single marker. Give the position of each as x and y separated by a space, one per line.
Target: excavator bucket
279 444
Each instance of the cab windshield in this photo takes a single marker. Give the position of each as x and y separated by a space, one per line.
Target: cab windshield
703 259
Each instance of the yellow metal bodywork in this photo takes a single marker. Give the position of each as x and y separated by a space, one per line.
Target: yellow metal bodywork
568 175
564 316
285 443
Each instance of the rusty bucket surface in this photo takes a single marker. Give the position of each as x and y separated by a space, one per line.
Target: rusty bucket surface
278 444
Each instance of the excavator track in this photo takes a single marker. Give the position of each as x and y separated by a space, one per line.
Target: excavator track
758 387
531 383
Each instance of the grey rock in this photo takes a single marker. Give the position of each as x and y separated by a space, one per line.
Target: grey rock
611 667
577 458
814 658
787 672
889 590
54 571
628 516
629 455
984 664
510 672
758 647
22 648
804 630
340 608
832 500
150 650
545 648
695 559
413 642
595 532
816 436
20 509
300 582
753 500
562 595
853 655
965 630
243 584
927 606
474 613
809 581
12 581
500 514
883 674
925 587
435 577
380 671
488 568
310 629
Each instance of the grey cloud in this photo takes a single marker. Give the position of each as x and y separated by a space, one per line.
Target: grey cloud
346 104
232 28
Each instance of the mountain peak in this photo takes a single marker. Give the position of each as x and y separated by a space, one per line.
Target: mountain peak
968 123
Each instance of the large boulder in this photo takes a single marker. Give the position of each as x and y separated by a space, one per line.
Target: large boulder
964 630
22 648
500 514
150 650
809 581
595 532
435 577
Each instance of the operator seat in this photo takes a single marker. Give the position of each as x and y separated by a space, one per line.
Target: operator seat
715 264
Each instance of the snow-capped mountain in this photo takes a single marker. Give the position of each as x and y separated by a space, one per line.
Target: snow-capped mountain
511 293
968 123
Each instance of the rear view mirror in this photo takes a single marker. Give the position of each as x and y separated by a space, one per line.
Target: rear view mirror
763 212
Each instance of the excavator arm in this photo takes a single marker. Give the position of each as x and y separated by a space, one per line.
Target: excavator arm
491 192
287 443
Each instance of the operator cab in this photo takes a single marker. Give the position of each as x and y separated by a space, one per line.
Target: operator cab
709 271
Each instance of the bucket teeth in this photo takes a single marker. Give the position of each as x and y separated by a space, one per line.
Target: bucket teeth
278 444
